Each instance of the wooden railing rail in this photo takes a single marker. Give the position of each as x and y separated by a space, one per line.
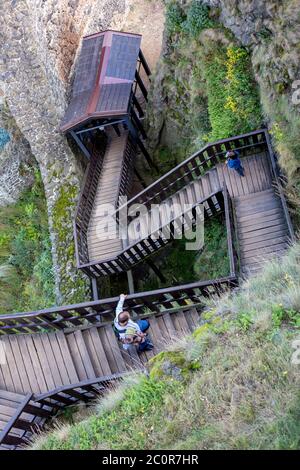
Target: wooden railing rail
231 233
139 250
14 432
76 315
279 188
86 199
195 166
84 391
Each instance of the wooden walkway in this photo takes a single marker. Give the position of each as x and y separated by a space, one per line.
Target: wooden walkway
261 226
42 362
99 246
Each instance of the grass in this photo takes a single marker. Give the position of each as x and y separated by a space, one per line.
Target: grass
27 280
239 388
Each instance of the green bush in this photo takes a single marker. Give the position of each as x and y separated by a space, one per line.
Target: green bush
233 99
197 19
174 18
26 249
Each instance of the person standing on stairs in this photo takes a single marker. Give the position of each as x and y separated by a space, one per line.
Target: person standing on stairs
128 331
233 161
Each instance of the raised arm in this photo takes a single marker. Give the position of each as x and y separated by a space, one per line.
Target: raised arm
119 307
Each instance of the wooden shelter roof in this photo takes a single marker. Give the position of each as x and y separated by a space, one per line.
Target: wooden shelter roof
104 74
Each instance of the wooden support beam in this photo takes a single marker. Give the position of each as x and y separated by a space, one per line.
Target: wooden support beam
144 63
116 129
156 270
95 290
138 106
139 177
130 282
80 144
138 124
141 85
146 154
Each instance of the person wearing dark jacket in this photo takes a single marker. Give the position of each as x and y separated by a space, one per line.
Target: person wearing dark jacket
233 161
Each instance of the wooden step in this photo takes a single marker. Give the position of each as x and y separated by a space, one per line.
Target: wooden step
80 356
96 352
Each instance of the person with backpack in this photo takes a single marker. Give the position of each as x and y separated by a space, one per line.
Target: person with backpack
130 332
233 161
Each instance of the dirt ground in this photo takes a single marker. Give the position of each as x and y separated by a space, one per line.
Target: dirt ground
145 17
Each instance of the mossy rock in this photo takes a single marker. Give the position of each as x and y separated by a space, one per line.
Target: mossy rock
171 364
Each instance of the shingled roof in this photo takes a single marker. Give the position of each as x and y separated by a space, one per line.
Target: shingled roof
104 74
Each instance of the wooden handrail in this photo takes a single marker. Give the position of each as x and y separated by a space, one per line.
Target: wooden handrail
13 440
276 172
126 250
139 198
76 315
85 386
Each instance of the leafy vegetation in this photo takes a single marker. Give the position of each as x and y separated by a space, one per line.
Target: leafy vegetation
180 265
237 387
233 100
27 280
208 84
197 19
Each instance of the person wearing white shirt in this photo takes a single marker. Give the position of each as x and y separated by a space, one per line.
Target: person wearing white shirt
123 322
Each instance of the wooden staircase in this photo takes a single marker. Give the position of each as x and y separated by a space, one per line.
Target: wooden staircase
177 205
19 416
103 245
262 229
41 362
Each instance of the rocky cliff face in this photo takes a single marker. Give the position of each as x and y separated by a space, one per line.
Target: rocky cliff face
39 42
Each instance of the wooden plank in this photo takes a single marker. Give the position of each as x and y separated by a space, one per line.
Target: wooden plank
265 257
265 236
30 368
206 186
37 366
158 340
248 175
108 351
59 359
278 246
92 352
198 190
169 325
249 246
260 225
255 176
44 362
76 357
45 340
100 351
15 398
177 325
113 342
236 182
183 323
196 316
252 208
261 220
7 377
277 211
214 181
279 229
65 352
21 365
13 367
84 355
